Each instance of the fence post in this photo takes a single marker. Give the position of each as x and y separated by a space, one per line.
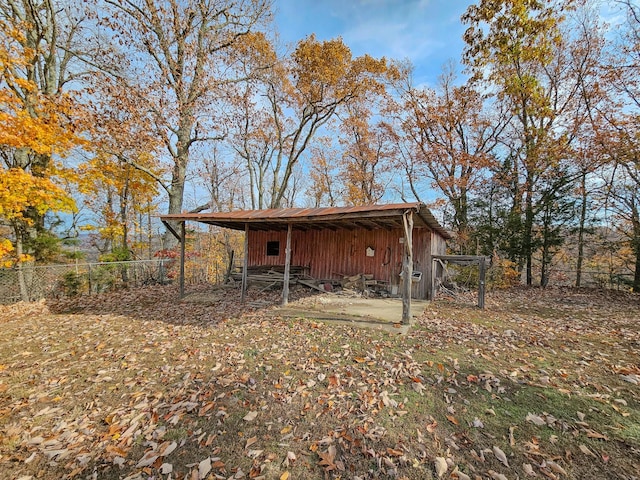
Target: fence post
481 282
90 286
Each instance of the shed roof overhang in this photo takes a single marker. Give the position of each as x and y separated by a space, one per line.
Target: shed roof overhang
369 217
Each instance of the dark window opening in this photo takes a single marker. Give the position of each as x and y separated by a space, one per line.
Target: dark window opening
273 248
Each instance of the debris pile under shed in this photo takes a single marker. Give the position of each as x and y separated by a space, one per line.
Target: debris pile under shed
267 277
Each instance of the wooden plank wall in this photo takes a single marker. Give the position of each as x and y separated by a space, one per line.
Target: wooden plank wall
333 254
438 247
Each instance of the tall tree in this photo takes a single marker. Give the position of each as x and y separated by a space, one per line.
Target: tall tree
366 158
518 47
624 146
557 207
34 127
295 98
40 119
185 56
254 139
114 190
324 188
452 139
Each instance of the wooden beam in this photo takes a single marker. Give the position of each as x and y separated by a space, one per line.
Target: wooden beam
183 237
481 282
279 223
287 268
310 284
407 266
245 263
482 261
460 259
429 271
171 229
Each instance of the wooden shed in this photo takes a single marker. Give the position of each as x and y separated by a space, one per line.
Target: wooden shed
389 242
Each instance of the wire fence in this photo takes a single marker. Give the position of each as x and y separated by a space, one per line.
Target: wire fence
467 277
55 281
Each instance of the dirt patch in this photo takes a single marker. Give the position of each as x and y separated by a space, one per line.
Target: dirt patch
381 313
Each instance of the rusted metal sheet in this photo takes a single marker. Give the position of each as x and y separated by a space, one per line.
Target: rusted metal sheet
368 217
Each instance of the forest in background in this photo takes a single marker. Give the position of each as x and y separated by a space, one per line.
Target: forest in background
113 111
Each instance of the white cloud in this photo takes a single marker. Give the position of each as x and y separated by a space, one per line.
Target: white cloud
427 32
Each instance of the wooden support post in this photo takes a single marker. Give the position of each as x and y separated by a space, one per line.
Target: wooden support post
481 281
183 237
227 275
434 276
287 268
407 267
245 264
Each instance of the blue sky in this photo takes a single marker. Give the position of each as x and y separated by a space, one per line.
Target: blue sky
427 32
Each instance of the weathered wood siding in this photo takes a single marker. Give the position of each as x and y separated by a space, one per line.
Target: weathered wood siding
332 254
438 247
421 261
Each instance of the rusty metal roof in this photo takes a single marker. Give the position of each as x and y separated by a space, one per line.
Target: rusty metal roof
369 217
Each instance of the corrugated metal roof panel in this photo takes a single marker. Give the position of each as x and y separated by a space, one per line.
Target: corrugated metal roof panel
336 217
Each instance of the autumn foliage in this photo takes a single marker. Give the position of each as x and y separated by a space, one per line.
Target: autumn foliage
31 124
135 107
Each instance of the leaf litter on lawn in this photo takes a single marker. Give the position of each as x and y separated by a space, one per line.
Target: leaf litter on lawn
138 385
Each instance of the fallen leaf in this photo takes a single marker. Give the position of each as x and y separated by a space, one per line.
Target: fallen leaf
167 448
497 451
460 475
535 419
528 469
584 449
594 434
250 441
204 467
289 459
249 417
327 459
147 459
441 466
431 427
497 476
254 453
556 468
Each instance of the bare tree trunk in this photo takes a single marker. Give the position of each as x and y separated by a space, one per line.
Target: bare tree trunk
527 237
176 195
22 282
581 229
635 242
636 275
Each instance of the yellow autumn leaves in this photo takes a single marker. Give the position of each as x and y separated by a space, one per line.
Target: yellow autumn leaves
33 125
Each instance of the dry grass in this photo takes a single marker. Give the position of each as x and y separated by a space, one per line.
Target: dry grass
138 385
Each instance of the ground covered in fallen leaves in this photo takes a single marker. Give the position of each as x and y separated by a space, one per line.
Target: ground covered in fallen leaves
138 385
